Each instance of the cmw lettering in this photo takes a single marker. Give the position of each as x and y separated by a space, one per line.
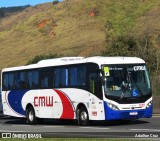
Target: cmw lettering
43 101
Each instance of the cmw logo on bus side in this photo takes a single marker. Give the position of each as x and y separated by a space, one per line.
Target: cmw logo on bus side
135 93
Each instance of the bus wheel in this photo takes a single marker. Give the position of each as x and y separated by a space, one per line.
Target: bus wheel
31 117
83 117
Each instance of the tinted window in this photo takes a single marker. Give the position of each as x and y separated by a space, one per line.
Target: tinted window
61 77
73 76
20 80
45 79
33 79
8 81
5 81
81 76
77 76
44 82
11 81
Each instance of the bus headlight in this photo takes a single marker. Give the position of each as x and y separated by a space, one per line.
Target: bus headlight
149 104
112 106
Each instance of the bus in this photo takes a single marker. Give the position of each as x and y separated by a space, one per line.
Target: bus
83 89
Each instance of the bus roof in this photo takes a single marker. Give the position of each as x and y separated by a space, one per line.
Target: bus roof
78 60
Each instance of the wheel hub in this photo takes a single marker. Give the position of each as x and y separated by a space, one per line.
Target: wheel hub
83 116
31 116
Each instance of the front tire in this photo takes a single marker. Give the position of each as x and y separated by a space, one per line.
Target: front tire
83 117
31 117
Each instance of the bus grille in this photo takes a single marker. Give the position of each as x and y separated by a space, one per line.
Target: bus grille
127 115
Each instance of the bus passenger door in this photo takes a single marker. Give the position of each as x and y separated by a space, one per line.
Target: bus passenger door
96 97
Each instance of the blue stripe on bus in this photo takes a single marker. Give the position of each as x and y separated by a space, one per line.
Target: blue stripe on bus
111 114
15 100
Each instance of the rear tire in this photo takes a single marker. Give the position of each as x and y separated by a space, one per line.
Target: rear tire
83 117
31 117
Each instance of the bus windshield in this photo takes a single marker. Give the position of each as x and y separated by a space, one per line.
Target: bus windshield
126 81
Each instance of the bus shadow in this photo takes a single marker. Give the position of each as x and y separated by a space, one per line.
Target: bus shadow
57 122
118 122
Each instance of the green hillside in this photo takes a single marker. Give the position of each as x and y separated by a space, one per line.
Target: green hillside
82 28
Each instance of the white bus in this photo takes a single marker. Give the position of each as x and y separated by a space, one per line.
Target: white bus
85 89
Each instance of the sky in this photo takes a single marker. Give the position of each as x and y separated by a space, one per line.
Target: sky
10 3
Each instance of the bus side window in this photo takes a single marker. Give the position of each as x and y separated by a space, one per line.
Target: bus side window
73 76
44 79
33 79
44 82
81 76
11 81
5 82
29 81
61 77
16 80
20 80
23 83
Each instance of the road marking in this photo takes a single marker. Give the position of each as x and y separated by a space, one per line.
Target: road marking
145 130
21 125
95 128
11 131
156 116
53 126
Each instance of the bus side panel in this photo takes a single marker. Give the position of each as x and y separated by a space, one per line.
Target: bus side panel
94 105
52 103
10 104
46 103
96 109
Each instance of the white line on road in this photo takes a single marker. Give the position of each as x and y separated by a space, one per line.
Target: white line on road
145 130
53 126
11 131
95 128
37 126
156 116
17 125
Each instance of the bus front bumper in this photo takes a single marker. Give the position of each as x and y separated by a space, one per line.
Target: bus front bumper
111 114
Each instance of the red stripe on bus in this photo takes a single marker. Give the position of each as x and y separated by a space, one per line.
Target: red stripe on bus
68 111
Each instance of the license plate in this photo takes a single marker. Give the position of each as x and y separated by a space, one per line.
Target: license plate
133 113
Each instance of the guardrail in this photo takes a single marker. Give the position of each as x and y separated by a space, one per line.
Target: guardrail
156 104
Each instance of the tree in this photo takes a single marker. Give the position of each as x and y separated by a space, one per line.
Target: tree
146 50
38 58
121 46
1 13
128 45
55 2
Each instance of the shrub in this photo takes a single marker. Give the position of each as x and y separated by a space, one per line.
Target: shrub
55 2
38 58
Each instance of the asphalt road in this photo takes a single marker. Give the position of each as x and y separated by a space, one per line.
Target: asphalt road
142 128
